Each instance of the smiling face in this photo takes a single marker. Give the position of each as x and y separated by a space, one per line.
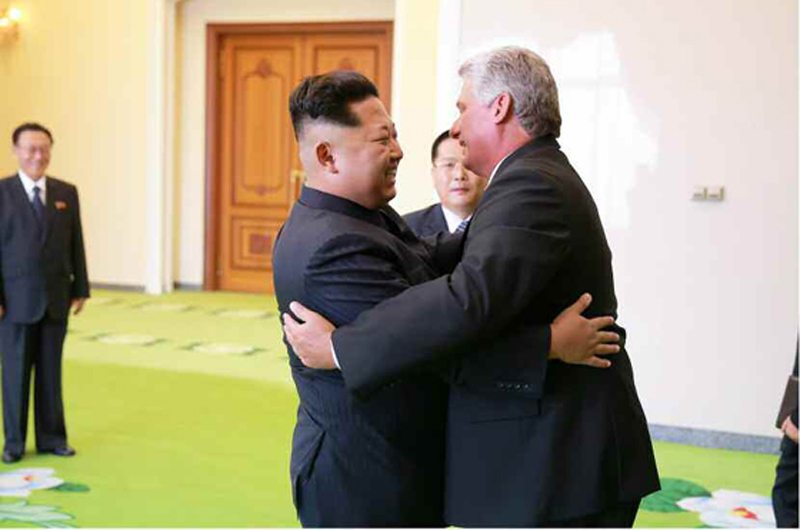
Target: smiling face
33 153
366 156
458 188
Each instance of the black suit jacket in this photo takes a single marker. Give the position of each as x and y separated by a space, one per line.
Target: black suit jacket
557 441
428 221
41 268
360 463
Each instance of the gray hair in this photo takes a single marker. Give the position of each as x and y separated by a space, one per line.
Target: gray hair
525 77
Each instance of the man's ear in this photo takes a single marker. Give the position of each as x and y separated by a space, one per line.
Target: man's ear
325 159
502 107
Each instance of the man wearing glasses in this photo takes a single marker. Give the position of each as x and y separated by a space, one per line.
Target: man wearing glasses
458 188
42 275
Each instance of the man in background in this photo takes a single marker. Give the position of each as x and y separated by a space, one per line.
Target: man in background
458 188
43 274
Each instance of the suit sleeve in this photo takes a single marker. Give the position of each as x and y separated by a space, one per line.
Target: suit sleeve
80 282
516 243
350 274
414 221
2 283
445 249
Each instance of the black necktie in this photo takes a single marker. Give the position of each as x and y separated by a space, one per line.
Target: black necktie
38 205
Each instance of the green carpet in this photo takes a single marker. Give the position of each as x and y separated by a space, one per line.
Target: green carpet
181 408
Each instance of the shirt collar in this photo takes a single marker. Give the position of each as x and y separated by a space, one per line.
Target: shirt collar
28 183
452 219
320 200
494 171
542 142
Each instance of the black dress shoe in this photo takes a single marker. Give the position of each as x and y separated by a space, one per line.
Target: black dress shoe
10 458
60 451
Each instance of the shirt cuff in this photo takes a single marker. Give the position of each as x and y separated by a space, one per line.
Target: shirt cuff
335 359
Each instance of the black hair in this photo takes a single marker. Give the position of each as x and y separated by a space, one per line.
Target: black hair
30 126
439 139
328 97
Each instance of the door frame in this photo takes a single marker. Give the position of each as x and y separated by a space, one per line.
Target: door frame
214 35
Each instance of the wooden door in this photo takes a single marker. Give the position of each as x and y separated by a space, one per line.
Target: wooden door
253 170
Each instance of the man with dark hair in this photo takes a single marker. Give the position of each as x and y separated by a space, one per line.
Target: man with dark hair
43 274
458 188
30 127
375 462
556 445
341 251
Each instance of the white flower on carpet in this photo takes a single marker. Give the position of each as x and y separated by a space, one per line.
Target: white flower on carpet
164 308
223 348
729 508
127 339
34 514
244 313
20 482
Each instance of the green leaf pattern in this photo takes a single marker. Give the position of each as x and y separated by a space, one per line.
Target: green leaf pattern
672 490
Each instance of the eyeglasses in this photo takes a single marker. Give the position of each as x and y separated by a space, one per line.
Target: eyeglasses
29 151
448 164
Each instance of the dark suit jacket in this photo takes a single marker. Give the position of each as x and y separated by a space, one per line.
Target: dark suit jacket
784 490
40 271
557 441
428 221
359 463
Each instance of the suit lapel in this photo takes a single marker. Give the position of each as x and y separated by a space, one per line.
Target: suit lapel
52 196
22 202
440 223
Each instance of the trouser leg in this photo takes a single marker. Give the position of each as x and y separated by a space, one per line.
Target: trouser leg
18 350
51 431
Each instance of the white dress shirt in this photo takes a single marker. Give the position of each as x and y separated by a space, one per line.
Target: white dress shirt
28 183
452 219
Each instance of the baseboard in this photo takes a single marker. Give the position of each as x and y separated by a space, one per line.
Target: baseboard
182 286
716 439
117 287
179 286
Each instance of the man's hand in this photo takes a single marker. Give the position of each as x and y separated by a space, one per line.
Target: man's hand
789 429
2 311
578 340
311 340
77 305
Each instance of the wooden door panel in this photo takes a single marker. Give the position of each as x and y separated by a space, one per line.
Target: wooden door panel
264 79
257 175
257 155
368 54
364 60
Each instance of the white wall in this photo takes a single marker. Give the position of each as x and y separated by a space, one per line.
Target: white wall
658 96
193 16
414 91
82 72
